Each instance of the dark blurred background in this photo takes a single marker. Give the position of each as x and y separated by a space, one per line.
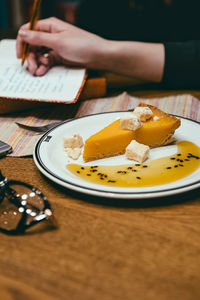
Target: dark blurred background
140 20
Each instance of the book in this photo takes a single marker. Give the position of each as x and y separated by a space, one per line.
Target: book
93 88
59 85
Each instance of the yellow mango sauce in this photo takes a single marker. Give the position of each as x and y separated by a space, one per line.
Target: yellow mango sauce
156 172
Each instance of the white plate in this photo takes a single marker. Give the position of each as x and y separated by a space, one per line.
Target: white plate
51 160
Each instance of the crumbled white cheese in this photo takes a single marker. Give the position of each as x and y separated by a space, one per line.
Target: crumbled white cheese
73 153
130 121
156 118
136 151
144 113
73 141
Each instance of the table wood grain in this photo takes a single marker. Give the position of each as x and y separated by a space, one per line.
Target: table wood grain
103 249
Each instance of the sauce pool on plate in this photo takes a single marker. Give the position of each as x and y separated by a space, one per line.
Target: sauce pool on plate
156 172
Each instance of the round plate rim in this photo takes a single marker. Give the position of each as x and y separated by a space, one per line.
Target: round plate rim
107 194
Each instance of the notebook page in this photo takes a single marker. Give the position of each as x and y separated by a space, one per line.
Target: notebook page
60 84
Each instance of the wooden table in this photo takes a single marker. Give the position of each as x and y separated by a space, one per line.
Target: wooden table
103 249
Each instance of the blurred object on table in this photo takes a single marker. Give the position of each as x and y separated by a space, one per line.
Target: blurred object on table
68 9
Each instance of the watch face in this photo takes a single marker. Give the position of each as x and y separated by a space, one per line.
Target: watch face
4 148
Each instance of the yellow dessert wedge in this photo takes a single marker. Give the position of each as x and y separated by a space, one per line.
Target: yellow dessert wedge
112 141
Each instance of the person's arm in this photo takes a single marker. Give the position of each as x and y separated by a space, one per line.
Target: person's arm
143 61
174 65
76 47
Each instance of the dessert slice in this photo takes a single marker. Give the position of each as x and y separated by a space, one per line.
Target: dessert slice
158 130
111 140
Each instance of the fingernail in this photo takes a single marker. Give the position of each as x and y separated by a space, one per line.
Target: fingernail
23 32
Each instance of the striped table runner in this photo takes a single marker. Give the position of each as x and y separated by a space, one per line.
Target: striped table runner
23 142
182 105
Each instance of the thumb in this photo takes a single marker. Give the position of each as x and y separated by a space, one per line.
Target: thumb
37 38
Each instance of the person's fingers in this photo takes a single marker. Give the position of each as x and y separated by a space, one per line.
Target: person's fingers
36 38
52 25
44 59
32 64
19 46
42 70
50 58
25 26
45 62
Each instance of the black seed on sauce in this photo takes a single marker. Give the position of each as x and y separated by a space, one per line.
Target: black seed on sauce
88 174
102 178
77 171
186 159
178 154
137 165
189 156
175 166
181 160
178 159
180 165
119 171
138 177
82 168
93 170
189 153
168 168
134 170
145 166
123 172
130 168
193 156
105 176
99 174
172 158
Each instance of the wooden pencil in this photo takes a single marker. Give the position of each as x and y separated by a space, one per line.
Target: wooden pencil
34 17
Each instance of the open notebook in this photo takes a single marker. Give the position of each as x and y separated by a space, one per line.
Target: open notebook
59 85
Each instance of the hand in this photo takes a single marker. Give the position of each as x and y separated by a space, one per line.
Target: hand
65 44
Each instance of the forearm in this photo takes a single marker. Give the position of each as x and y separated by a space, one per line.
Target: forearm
143 61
